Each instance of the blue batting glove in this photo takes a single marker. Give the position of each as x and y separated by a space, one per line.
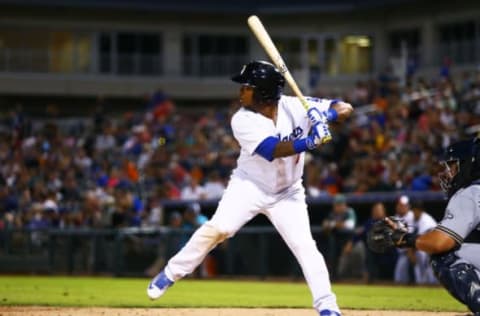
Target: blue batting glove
321 134
316 116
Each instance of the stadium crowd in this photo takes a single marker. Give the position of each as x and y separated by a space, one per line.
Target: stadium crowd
115 172
109 171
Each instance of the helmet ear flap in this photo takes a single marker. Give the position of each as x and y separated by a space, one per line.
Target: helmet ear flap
257 96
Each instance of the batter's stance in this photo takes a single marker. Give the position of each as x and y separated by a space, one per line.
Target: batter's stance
273 132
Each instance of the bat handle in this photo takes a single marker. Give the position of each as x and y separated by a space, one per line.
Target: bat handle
304 102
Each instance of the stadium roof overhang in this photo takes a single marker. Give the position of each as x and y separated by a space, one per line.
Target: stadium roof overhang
213 6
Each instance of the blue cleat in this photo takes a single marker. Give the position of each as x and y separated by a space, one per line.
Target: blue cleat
158 286
327 312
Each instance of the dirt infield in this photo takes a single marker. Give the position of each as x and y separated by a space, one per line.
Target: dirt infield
100 311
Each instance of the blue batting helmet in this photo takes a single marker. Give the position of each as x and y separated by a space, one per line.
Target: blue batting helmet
264 77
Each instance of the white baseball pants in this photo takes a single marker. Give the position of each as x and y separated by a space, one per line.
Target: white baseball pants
287 211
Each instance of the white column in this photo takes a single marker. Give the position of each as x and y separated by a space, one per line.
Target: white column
172 52
94 53
113 53
428 45
380 51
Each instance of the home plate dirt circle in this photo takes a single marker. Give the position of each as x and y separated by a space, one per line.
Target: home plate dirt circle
103 311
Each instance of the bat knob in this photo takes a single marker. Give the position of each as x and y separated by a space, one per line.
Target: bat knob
327 139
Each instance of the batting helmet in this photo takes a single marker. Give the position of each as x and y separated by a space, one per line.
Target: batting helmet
462 163
267 81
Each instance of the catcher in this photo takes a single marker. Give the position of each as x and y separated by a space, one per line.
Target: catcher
454 245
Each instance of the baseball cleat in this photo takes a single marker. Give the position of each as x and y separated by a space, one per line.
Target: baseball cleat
158 286
327 312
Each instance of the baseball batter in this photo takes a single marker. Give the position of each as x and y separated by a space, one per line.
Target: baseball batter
273 133
454 245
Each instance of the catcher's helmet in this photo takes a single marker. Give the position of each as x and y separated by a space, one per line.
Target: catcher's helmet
461 163
264 77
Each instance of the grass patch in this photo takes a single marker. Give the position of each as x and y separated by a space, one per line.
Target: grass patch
121 292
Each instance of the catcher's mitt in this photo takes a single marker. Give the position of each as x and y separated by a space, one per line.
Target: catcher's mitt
382 237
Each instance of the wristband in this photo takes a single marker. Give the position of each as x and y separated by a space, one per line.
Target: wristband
303 144
332 115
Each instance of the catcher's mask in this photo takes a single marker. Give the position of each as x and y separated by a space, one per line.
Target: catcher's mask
265 78
459 164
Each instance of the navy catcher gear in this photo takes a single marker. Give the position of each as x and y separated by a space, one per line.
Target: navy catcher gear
462 163
461 280
267 81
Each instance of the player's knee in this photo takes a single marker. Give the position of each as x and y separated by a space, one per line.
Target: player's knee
460 279
224 228
441 266
442 262
476 302
469 276
217 234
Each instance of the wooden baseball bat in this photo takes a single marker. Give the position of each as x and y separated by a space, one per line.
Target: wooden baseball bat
262 35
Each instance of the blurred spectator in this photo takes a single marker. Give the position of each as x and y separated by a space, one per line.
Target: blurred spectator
105 141
214 186
154 217
313 177
378 266
192 217
128 209
330 180
339 227
423 222
193 191
168 244
404 267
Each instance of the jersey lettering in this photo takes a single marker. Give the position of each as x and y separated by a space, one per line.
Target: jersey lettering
313 99
295 134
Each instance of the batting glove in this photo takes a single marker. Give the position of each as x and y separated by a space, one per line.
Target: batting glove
316 116
320 134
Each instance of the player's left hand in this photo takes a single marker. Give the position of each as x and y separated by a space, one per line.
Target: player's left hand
321 134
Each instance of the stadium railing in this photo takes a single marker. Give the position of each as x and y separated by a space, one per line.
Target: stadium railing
255 250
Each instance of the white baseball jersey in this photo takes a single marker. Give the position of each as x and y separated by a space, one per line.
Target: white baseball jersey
424 223
251 128
422 269
409 220
401 273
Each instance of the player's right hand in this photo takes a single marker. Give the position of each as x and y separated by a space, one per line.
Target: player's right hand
321 134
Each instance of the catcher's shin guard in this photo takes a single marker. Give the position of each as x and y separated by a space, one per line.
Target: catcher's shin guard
461 280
